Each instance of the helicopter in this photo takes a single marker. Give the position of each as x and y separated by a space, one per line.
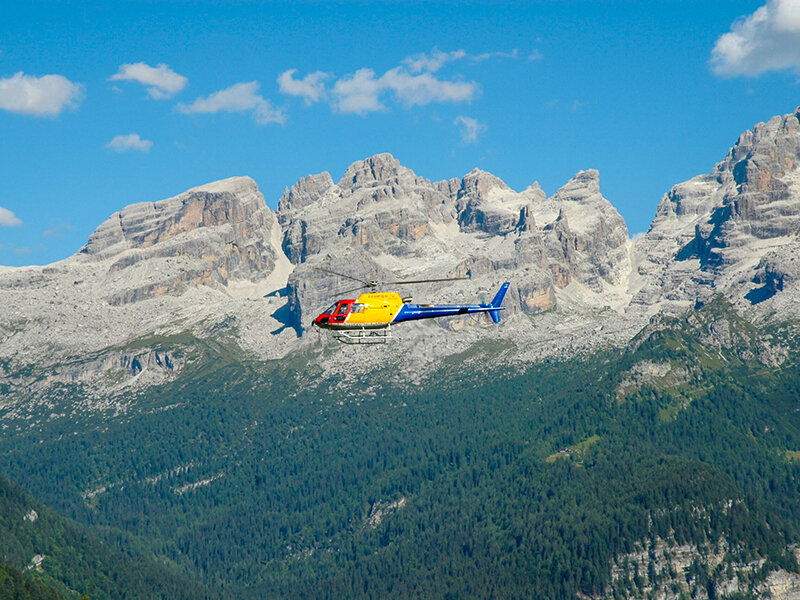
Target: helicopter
368 318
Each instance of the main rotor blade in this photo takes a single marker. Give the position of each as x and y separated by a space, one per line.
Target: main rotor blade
341 275
337 294
424 281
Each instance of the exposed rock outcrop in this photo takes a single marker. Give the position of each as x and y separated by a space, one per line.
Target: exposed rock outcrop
208 235
670 572
384 222
156 269
728 231
216 260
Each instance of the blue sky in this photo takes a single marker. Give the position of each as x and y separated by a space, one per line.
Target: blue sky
109 103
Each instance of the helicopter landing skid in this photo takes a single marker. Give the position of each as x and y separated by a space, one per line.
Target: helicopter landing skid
364 336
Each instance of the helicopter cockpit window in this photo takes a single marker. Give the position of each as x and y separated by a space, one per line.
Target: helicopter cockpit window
357 308
342 309
330 310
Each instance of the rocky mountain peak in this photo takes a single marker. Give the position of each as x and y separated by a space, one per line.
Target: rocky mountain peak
208 235
733 231
378 205
581 202
757 189
306 191
763 155
486 203
478 184
582 187
379 168
535 191
592 234
229 201
238 186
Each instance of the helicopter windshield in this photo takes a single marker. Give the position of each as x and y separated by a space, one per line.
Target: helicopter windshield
342 309
330 310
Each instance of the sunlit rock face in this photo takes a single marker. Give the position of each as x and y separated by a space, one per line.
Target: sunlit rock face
733 231
153 269
208 235
216 260
382 221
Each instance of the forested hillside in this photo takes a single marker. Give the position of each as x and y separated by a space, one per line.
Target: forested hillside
15 585
482 482
62 559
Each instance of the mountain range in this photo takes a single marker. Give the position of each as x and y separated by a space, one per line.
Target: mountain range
218 258
637 403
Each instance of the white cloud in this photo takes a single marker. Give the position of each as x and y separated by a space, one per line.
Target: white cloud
412 83
425 88
22 250
535 55
44 96
578 105
57 230
360 93
487 55
240 97
767 40
163 81
432 62
8 218
132 141
470 128
311 87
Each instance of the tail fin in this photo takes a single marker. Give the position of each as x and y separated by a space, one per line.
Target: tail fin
497 302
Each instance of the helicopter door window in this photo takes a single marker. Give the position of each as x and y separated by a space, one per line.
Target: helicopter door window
357 308
342 309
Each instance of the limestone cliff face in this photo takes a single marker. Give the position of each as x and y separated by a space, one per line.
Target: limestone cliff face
758 178
486 203
190 264
306 191
733 231
588 239
217 259
671 571
208 235
761 165
382 221
378 205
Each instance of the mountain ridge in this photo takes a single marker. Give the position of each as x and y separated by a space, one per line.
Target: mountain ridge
217 258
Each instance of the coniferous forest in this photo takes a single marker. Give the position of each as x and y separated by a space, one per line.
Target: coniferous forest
484 481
